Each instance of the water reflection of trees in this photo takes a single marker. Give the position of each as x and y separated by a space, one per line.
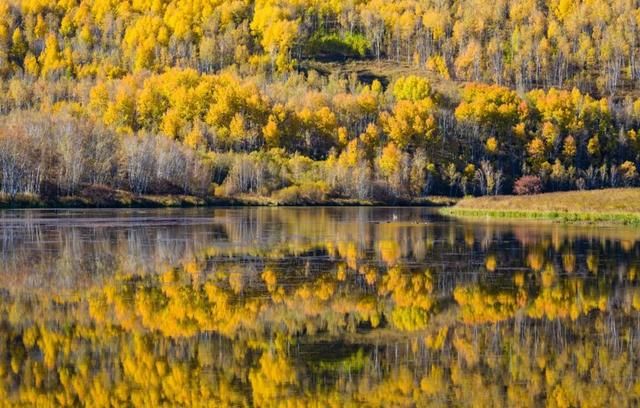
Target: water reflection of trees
254 307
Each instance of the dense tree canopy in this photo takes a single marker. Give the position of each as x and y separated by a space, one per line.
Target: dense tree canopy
591 44
485 94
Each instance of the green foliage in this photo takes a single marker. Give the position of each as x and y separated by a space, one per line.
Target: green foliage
334 44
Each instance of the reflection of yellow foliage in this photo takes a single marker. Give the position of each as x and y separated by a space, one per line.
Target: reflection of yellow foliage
569 262
478 306
149 326
370 274
236 281
535 259
341 272
436 342
592 263
396 390
491 263
271 379
194 270
433 384
567 300
409 318
469 237
548 276
466 350
269 277
389 251
636 300
367 308
411 294
349 251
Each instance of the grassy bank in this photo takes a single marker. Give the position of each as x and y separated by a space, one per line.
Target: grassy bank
608 205
102 197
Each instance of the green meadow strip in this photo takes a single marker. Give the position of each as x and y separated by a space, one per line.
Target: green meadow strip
568 216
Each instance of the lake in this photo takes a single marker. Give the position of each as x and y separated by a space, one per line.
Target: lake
315 307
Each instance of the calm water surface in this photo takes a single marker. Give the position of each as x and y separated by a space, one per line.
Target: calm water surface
314 307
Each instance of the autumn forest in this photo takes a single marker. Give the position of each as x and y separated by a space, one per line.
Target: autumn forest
303 101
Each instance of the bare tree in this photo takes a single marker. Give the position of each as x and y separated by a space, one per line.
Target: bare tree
139 162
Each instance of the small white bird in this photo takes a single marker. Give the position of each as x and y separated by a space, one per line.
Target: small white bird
394 216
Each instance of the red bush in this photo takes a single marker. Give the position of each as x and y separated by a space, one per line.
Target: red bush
526 185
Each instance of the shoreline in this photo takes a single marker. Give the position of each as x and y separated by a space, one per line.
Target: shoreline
607 206
123 199
553 216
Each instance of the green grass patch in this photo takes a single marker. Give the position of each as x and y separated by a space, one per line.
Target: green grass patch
623 218
598 206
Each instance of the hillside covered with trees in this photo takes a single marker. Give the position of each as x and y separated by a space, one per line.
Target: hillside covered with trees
242 98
